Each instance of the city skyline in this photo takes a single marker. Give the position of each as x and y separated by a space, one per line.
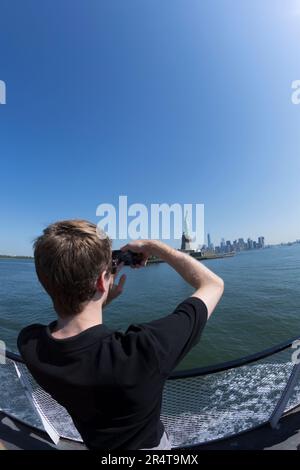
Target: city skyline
266 245
238 244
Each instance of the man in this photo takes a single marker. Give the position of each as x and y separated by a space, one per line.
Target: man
110 382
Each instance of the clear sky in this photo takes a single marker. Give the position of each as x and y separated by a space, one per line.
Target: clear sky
183 101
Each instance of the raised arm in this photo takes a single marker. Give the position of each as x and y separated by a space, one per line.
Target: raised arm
208 286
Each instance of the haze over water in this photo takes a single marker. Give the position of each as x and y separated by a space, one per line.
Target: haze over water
260 306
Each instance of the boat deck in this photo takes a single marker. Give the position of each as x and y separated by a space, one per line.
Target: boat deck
14 435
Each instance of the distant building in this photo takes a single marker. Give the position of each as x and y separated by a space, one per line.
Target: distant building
241 244
237 245
208 240
228 248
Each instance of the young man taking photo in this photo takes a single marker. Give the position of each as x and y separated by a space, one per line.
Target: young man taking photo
110 382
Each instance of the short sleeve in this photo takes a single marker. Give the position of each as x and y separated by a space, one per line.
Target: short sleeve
26 334
173 336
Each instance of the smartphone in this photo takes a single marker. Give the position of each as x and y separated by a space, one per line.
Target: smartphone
129 258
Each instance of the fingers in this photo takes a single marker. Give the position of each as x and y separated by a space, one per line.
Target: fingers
132 247
138 265
121 283
137 246
125 247
119 267
142 262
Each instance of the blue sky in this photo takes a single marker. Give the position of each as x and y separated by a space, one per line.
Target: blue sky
163 101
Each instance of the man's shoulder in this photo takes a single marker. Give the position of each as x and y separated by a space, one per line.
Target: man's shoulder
29 332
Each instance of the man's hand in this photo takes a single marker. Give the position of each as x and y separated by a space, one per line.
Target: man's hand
116 289
208 286
145 247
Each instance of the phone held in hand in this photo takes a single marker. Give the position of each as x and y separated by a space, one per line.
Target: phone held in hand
129 258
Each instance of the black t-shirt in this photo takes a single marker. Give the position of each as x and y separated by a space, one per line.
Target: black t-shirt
111 382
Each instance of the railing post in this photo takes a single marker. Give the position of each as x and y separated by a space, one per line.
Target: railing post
285 396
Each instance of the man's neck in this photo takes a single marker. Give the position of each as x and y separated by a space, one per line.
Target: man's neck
66 327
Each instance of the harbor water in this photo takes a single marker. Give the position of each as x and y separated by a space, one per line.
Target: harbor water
260 306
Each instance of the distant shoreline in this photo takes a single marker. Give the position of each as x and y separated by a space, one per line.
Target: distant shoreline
267 246
15 257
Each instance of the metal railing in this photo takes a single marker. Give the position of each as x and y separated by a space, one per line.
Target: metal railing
199 405
208 369
242 361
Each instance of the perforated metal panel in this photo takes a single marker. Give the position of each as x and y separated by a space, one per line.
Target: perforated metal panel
206 408
195 410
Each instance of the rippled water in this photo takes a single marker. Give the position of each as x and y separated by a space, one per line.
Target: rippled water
260 306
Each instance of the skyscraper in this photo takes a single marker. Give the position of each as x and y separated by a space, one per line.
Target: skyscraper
241 243
261 242
228 248
208 241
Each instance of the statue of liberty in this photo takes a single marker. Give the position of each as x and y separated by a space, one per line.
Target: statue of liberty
186 239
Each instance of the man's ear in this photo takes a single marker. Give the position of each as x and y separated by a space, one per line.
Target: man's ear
101 281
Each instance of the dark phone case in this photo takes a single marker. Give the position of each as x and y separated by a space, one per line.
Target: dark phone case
129 258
